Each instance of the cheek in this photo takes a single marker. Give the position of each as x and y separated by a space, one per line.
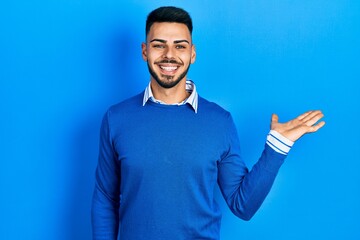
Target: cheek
187 58
153 56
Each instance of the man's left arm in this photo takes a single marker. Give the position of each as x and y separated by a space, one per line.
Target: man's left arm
243 190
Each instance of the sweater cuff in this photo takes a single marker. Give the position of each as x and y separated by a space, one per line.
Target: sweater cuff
278 142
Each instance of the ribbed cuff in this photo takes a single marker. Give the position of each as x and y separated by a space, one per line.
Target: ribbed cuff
278 142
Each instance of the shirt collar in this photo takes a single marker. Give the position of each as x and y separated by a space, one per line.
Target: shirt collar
192 99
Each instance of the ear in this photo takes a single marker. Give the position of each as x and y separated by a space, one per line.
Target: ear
144 51
193 54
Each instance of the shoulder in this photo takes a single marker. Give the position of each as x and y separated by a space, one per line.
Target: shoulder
211 108
127 104
124 108
219 119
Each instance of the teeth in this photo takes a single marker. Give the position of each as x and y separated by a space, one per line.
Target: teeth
169 69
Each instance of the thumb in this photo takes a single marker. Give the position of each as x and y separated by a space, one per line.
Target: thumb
274 119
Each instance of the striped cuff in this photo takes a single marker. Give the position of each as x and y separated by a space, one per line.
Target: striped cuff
278 142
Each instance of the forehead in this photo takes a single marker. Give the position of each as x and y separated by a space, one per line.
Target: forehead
169 31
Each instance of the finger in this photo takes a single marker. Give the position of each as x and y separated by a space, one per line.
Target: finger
314 119
317 127
302 116
311 115
274 121
274 118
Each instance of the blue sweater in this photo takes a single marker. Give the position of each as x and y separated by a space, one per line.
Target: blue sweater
158 167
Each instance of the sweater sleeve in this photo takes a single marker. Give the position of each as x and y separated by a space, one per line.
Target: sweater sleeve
244 191
106 197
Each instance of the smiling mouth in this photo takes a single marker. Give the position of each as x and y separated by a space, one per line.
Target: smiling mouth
168 69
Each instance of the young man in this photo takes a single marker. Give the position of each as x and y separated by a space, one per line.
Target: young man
163 151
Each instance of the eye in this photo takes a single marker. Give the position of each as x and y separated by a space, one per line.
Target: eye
158 46
180 47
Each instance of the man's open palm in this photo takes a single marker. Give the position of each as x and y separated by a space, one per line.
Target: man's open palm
294 129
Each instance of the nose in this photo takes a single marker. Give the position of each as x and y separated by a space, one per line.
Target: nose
169 53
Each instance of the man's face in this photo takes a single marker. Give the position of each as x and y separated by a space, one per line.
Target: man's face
168 52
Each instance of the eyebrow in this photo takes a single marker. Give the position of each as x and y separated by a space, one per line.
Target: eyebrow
180 41
164 41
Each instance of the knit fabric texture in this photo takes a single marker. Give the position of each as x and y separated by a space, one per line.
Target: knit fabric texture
158 168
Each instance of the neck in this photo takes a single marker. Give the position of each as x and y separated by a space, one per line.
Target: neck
172 95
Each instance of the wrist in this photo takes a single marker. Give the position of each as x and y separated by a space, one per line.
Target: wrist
278 142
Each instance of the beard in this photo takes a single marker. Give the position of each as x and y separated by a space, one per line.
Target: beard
169 82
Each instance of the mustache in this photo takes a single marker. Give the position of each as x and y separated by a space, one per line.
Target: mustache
169 61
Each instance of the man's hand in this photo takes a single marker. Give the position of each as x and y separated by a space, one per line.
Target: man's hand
294 129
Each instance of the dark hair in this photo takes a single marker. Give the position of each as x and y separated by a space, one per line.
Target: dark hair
168 14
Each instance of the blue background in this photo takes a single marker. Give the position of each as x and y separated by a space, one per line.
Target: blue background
64 62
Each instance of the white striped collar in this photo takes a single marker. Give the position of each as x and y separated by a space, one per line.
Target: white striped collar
192 99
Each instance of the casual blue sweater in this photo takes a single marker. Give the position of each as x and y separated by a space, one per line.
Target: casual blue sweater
158 167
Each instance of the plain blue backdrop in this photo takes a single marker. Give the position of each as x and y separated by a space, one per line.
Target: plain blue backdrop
62 63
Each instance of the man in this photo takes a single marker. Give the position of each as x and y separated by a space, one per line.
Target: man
163 151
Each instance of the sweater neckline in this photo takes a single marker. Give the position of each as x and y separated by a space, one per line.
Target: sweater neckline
168 106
